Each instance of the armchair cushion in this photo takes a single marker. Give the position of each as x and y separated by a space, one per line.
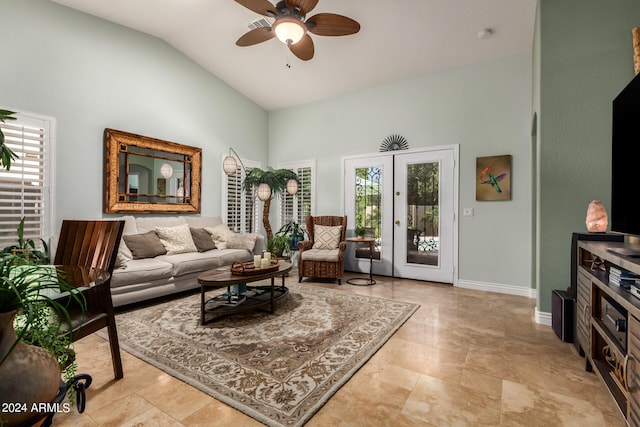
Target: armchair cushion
326 237
328 255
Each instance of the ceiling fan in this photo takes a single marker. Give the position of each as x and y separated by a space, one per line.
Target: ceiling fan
291 28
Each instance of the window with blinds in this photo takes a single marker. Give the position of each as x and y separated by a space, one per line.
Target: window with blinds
24 189
297 207
242 213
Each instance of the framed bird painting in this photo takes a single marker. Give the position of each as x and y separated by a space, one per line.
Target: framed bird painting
493 178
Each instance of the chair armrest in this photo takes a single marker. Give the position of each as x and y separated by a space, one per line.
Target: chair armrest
342 246
304 245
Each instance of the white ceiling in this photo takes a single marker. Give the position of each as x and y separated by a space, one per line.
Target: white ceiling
398 39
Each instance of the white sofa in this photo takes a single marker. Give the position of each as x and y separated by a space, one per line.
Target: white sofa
141 279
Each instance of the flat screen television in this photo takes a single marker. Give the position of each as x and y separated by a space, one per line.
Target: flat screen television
625 158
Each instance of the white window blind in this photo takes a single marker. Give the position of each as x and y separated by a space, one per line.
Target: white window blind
297 207
240 209
25 188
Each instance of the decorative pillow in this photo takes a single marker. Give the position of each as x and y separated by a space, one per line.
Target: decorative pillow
326 237
146 245
202 239
241 241
124 252
219 234
121 260
177 240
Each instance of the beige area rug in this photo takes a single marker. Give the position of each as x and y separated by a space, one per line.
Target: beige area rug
277 368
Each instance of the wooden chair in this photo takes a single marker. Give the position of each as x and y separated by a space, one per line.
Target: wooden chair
322 263
93 244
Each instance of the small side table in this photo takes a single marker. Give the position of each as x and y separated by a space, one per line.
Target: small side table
368 281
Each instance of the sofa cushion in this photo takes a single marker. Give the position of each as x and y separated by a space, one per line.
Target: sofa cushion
145 245
203 221
191 262
176 240
219 234
124 253
202 239
329 255
246 241
326 236
149 223
141 270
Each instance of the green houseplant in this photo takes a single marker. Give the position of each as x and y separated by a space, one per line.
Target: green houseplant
26 249
278 245
6 155
277 181
30 313
33 300
294 233
360 231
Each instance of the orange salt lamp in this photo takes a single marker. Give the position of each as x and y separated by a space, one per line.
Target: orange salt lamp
597 220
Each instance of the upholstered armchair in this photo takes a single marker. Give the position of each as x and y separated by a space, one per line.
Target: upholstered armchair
322 256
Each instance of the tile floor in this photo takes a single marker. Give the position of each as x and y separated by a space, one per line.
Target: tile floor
465 358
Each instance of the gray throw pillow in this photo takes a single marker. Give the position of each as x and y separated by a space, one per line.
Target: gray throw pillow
202 239
146 245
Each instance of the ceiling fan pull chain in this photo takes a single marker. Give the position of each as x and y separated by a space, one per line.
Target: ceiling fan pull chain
288 62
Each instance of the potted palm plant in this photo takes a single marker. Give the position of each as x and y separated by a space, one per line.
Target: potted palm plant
276 180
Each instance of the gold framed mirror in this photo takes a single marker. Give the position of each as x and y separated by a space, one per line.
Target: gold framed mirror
148 175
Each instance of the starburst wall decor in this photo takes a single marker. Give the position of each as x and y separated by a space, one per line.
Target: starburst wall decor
393 143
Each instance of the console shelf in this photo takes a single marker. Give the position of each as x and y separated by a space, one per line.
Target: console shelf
608 323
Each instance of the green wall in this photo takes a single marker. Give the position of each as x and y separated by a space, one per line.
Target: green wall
90 74
585 60
485 108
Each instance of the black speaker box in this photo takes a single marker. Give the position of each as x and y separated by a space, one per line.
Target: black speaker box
562 315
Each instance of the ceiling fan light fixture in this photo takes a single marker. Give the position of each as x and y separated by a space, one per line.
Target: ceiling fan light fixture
289 30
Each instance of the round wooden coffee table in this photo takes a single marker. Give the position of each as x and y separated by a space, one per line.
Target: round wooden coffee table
252 298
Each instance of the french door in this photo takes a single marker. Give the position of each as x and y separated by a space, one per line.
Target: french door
407 202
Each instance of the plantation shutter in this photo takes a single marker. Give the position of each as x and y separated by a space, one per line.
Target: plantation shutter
297 207
242 211
24 189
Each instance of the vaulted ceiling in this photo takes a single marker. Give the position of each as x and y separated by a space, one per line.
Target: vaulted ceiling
398 39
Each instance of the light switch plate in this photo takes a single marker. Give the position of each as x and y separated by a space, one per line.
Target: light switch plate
467 212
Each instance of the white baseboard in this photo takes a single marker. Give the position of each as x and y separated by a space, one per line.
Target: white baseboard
497 287
543 318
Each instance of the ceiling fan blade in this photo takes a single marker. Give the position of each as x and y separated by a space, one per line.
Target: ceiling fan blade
305 6
255 36
304 49
331 24
263 7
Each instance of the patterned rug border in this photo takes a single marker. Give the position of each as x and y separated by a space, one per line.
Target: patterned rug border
411 308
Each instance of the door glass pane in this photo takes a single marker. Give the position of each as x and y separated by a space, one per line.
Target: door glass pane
369 207
423 213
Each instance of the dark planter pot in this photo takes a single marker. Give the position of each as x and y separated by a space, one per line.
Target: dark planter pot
294 242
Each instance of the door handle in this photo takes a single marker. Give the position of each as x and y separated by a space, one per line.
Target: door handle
397 222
